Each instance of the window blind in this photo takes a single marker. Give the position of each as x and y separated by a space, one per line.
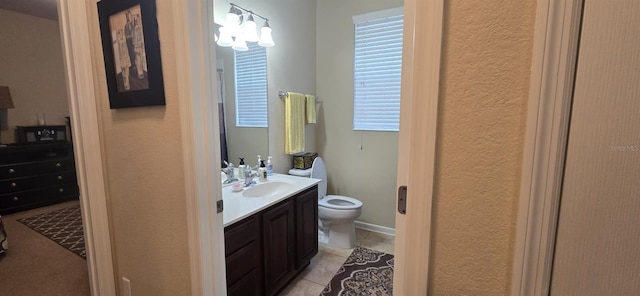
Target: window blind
377 70
251 86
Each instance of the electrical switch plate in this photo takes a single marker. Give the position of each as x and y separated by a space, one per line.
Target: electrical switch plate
126 287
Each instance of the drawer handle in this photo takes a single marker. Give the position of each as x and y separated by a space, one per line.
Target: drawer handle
59 178
11 171
60 190
58 164
13 184
15 198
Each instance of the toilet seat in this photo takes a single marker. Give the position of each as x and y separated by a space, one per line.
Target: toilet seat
339 202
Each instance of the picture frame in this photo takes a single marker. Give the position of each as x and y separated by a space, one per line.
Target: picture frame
131 49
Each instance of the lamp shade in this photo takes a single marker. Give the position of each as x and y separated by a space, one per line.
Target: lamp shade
233 22
265 36
240 44
225 39
249 28
5 98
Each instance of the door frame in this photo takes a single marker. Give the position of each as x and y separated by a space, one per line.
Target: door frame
555 51
88 152
200 145
421 52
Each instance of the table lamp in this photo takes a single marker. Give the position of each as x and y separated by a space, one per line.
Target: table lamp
5 103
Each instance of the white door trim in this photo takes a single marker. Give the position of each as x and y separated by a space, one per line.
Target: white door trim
76 45
551 88
417 142
195 54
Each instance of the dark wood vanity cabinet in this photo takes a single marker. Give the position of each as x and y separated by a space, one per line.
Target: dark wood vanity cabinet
306 227
34 175
243 252
271 247
279 245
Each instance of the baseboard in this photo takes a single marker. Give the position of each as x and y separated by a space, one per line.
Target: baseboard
375 228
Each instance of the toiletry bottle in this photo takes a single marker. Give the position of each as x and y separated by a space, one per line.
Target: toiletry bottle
259 160
241 169
269 166
262 172
248 179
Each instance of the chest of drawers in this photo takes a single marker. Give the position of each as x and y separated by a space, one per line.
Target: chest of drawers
34 175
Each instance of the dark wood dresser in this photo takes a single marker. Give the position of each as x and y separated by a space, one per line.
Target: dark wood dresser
34 175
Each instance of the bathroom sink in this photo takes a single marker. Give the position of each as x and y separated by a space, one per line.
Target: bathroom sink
267 189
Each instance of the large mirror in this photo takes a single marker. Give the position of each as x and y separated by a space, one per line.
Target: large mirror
239 139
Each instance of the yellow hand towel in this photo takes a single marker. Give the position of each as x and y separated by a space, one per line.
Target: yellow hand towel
294 111
311 109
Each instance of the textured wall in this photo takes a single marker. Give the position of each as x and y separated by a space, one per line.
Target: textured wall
144 172
368 174
31 65
486 64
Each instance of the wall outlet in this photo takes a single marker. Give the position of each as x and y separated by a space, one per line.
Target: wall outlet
126 287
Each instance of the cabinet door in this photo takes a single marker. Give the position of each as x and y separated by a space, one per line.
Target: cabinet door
279 246
306 226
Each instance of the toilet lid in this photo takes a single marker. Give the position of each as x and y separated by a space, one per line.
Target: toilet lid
339 202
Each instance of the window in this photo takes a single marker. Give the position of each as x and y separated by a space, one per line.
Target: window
377 69
251 87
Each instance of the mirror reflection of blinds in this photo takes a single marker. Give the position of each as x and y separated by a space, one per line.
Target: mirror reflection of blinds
377 70
251 87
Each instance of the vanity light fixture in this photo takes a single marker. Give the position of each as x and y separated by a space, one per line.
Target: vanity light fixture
240 28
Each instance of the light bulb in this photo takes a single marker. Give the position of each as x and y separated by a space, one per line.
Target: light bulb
250 30
265 36
225 39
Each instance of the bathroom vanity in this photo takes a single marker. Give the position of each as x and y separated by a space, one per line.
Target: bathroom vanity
271 233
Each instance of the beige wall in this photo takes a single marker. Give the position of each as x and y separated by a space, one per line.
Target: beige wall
487 47
367 173
144 172
31 65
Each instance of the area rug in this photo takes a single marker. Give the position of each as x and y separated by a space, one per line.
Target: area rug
366 272
61 226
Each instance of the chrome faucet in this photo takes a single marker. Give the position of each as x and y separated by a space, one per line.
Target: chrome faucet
229 170
248 176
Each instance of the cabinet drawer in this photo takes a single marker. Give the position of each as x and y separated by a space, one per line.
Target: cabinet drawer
35 168
33 182
17 200
241 234
242 262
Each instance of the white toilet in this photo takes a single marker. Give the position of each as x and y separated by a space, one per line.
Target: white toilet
336 213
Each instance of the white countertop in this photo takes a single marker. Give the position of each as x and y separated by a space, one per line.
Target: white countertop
238 207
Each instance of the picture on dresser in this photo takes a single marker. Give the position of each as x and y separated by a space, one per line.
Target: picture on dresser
131 50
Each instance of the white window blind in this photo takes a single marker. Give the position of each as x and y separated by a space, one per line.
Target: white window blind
251 87
377 69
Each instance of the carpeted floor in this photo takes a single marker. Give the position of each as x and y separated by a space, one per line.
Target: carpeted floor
36 265
62 226
365 272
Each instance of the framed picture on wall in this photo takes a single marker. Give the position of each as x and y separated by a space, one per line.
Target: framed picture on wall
131 49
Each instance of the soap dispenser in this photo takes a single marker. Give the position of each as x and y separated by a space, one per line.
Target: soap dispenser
269 166
262 172
259 161
241 169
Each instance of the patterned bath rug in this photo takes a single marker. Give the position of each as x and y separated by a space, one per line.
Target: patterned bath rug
61 226
366 272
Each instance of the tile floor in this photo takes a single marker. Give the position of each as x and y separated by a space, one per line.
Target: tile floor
323 266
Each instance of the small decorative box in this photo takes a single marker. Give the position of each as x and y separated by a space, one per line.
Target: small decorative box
304 161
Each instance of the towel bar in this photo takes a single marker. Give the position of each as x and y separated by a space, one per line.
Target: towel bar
283 94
